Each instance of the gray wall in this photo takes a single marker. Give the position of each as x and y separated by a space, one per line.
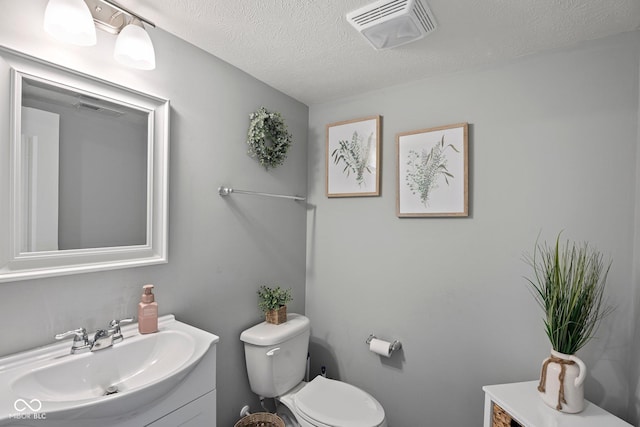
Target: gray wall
634 374
220 250
553 140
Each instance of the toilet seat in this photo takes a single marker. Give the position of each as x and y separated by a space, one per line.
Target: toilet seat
325 402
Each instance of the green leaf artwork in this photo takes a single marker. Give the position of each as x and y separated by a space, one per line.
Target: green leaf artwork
425 168
355 155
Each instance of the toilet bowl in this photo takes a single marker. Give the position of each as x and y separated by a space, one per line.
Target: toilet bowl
276 360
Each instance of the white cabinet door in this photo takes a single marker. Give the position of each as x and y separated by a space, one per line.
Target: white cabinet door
200 412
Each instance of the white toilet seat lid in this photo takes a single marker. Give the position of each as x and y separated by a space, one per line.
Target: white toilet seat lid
338 404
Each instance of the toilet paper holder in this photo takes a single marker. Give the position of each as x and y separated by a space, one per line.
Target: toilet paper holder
393 346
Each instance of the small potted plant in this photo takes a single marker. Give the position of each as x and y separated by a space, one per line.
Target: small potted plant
568 284
273 302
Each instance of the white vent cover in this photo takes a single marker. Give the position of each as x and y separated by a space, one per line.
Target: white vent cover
83 103
390 23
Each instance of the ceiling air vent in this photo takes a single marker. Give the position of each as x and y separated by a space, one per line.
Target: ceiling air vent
390 23
90 104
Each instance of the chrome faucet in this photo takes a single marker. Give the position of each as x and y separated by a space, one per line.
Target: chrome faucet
81 341
114 329
103 338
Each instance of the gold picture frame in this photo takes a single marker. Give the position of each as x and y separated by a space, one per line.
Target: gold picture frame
433 172
353 158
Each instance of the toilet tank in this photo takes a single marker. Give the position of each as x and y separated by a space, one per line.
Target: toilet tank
276 355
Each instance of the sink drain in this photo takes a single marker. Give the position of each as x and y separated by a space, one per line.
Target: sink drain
111 390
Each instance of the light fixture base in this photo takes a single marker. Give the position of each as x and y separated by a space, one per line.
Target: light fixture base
111 17
106 17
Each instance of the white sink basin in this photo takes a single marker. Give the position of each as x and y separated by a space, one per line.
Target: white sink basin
141 368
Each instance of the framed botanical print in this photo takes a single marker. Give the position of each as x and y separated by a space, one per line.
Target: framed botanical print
353 158
432 172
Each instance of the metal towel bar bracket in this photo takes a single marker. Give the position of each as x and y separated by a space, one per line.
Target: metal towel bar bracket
226 191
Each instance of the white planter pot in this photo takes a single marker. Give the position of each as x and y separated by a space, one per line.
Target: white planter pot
562 382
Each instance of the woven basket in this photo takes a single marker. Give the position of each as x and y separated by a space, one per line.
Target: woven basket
260 419
501 418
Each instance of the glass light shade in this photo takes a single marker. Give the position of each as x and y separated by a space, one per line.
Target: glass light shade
134 48
70 21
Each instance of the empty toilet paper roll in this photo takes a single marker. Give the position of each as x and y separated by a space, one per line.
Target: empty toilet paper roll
383 348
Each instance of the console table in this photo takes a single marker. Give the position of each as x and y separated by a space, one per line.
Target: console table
522 404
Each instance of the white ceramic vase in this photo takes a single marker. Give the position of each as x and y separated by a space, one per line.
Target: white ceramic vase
562 382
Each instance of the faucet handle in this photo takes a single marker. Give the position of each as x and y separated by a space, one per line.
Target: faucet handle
80 339
114 328
79 334
115 323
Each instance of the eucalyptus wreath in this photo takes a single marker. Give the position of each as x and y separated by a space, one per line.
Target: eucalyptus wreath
268 138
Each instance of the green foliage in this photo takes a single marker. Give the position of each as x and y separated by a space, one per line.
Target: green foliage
273 298
268 138
569 286
424 169
355 155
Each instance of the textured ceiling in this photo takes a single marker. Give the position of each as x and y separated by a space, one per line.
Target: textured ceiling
307 49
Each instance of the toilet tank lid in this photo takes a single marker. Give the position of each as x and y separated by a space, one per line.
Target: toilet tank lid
266 334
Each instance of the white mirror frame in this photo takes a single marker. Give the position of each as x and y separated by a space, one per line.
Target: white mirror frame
17 265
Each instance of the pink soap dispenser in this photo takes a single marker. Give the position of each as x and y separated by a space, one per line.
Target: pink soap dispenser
147 311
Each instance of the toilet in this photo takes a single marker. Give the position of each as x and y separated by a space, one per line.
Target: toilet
276 358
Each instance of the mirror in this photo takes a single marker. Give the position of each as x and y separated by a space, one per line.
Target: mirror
84 170
87 184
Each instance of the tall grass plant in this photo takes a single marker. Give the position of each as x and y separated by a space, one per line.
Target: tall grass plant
569 283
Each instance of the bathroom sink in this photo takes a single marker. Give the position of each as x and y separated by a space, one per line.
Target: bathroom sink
116 380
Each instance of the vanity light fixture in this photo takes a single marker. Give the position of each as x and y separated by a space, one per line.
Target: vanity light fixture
133 46
70 21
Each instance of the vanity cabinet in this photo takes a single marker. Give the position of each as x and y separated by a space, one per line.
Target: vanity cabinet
191 404
200 412
519 405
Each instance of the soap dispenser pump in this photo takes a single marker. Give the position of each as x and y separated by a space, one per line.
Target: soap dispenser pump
147 311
